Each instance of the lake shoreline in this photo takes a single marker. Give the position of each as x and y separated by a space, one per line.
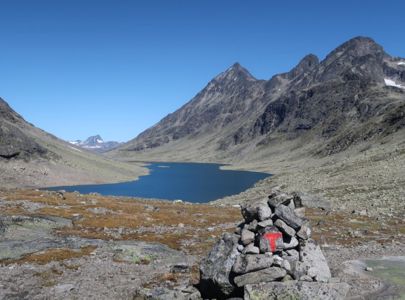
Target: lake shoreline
190 182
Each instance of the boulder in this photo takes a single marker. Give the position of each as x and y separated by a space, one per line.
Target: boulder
284 227
308 200
296 290
247 237
278 199
265 275
252 226
266 242
290 242
264 224
288 216
252 262
251 249
216 268
304 232
263 212
312 258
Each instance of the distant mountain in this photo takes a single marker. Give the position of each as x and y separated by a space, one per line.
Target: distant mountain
96 143
356 94
32 157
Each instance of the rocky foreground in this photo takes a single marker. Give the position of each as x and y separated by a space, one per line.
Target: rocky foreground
67 246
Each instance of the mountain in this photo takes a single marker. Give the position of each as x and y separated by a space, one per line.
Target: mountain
32 157
96 143
354 96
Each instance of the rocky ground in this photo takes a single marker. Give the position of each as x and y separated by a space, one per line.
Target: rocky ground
67 245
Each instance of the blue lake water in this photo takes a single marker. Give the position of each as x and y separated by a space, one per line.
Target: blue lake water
192 182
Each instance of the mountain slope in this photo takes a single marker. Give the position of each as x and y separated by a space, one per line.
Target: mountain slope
356 94
32 157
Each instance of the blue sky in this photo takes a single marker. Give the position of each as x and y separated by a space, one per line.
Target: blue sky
115 67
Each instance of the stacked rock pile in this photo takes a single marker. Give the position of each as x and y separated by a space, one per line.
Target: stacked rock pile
273 244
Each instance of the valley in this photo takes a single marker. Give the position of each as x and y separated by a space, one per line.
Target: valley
331 132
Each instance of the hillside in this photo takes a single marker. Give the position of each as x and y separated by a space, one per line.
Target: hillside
32 157
354 95
329 127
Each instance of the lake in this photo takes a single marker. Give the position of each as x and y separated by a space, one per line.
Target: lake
192 182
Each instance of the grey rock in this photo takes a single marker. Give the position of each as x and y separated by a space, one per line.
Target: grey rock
265 223
247 237
252 262
163 293
296 290
251 249
293 253
306 278
290 242
288 216
2 227
304 232
263 242
249 212
279 199
313 259
287 278
252 226
298 269
263 212
284 227
300 212
216 268
308 200
63 288
265 275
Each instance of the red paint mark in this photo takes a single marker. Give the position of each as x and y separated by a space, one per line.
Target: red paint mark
272 237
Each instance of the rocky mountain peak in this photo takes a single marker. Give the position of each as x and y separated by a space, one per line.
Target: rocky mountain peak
356 47
308 63
235 73
94 140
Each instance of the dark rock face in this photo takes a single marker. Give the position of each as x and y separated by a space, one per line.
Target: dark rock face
14 143
318 97
215 270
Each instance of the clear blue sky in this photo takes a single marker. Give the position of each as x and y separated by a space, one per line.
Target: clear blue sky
115 67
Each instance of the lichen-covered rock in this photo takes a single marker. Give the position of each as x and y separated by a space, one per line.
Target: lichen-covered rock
313 259
216 268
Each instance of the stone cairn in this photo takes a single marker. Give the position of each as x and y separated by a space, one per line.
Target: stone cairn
273 244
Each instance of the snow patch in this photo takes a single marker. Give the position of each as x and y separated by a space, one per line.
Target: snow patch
401 63
390 82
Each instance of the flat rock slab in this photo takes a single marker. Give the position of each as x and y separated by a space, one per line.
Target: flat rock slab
138 252
21 235
296 290
265 275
